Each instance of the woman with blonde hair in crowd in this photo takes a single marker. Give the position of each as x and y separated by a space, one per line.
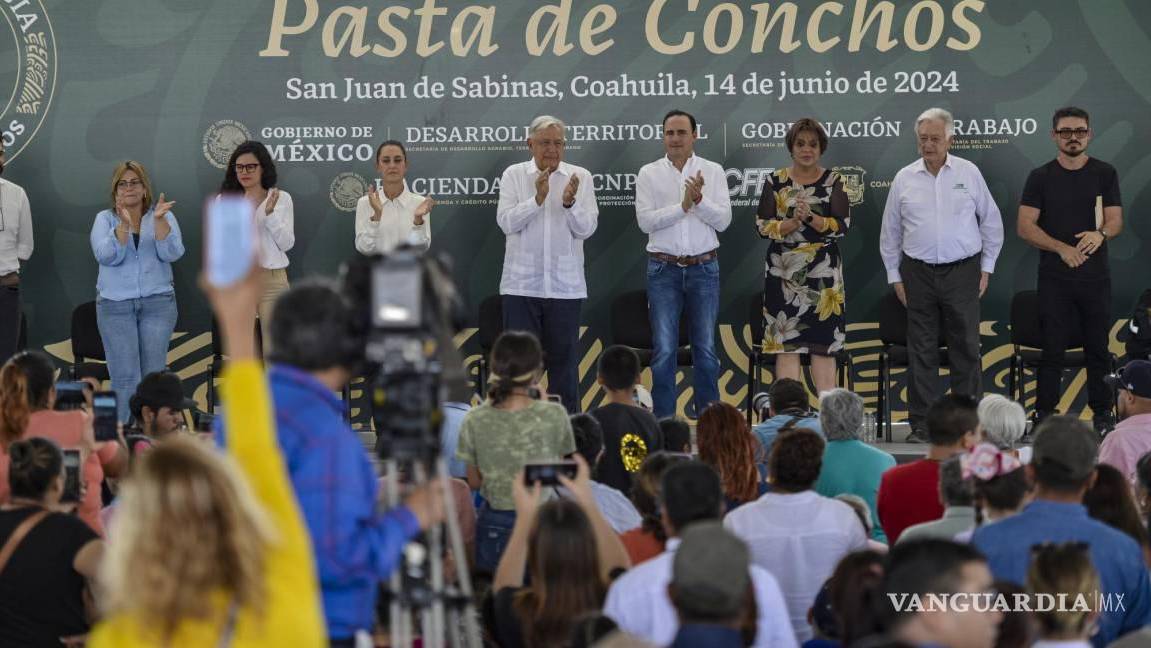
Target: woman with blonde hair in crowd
1065 573
27 396
211 550
727 445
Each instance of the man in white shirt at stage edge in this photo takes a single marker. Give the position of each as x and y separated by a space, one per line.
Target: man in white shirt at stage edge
681 202
547 209
939 240
15 246
389 218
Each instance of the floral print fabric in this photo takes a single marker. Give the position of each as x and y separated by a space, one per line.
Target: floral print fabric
803 294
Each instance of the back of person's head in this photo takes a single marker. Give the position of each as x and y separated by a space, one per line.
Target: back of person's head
857 574
922 567
619 367
1017 629
795 460
188 527
840 414
1004 491
588 435
26 382
950 418
1110 501
691 492
1064 455
727 444
313 328
517 362
676 434
788 394
954 489
646 489
1064 570
1004 421
862 510
563 566
589 629
711 575
35 466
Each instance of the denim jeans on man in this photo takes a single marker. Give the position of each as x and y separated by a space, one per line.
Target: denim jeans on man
493 530
670 290
135 334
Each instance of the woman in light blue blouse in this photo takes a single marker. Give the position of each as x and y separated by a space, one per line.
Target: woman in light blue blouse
135 243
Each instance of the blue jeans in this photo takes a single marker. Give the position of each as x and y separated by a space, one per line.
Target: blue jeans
555 322
135 334
671 289
493 530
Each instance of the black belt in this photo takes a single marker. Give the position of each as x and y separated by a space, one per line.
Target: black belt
943 265
684 261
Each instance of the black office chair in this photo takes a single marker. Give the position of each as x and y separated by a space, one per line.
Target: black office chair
1027 343
757 360
215 366
491 324
893 353
88 357
631 327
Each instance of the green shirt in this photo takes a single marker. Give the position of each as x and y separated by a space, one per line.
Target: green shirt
499 442
854 467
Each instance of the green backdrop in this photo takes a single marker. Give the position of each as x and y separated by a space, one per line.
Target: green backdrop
176 83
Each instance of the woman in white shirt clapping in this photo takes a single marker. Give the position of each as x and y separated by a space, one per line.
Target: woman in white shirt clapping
389 218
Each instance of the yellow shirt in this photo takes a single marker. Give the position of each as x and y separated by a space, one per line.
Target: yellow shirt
292 614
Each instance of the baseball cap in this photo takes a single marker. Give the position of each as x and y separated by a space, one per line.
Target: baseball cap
1066 447
711 570
1135 377
161 389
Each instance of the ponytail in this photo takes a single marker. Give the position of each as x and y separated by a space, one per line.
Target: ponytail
516 361
25 382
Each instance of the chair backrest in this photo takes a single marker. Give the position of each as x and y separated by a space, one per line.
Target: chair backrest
86 342
631 326
491 322
755 319
893 322
1025 323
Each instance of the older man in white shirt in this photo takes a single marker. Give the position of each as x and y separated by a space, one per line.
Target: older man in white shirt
547 209
681 203
940 237
15 246
638 600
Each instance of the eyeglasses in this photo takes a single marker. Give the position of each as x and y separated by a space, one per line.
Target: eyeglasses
128 184
247 168
558 144
1078 133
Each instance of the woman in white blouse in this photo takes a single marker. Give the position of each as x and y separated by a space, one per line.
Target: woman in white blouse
385 220
252 172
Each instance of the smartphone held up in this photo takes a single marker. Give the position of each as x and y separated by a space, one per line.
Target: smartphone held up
230 232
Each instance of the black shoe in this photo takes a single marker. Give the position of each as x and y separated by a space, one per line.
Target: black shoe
916 436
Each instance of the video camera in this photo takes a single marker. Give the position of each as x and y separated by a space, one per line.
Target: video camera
409 313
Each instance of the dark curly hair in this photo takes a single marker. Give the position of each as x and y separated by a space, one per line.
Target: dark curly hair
796 459
231 184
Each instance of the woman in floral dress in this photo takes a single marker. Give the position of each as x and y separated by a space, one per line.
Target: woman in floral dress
804 211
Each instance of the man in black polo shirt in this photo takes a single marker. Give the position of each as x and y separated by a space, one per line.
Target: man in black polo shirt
1069 210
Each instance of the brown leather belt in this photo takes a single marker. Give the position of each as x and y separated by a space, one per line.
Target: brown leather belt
684 261
10 279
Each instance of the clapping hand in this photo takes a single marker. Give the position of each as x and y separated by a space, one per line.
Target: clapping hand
423 210
692 190
162 208
270 202
543 185
375 202
570 191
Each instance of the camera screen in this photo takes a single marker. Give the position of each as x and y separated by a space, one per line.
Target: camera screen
397 291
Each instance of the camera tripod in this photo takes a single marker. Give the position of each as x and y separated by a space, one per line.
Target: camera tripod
418 587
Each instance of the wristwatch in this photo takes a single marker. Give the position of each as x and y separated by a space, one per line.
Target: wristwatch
1103 233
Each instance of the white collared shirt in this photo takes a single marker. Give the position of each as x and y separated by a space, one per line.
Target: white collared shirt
615 507
659 207
16 234
639 604
277 232
543 254
799 538
941 218
395 226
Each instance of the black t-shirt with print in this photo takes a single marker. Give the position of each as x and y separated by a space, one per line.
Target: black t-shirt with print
629 434
41 595
1068 202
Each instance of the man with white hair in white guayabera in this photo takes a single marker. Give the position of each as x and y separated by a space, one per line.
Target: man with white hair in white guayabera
547 209
849 465
940 237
